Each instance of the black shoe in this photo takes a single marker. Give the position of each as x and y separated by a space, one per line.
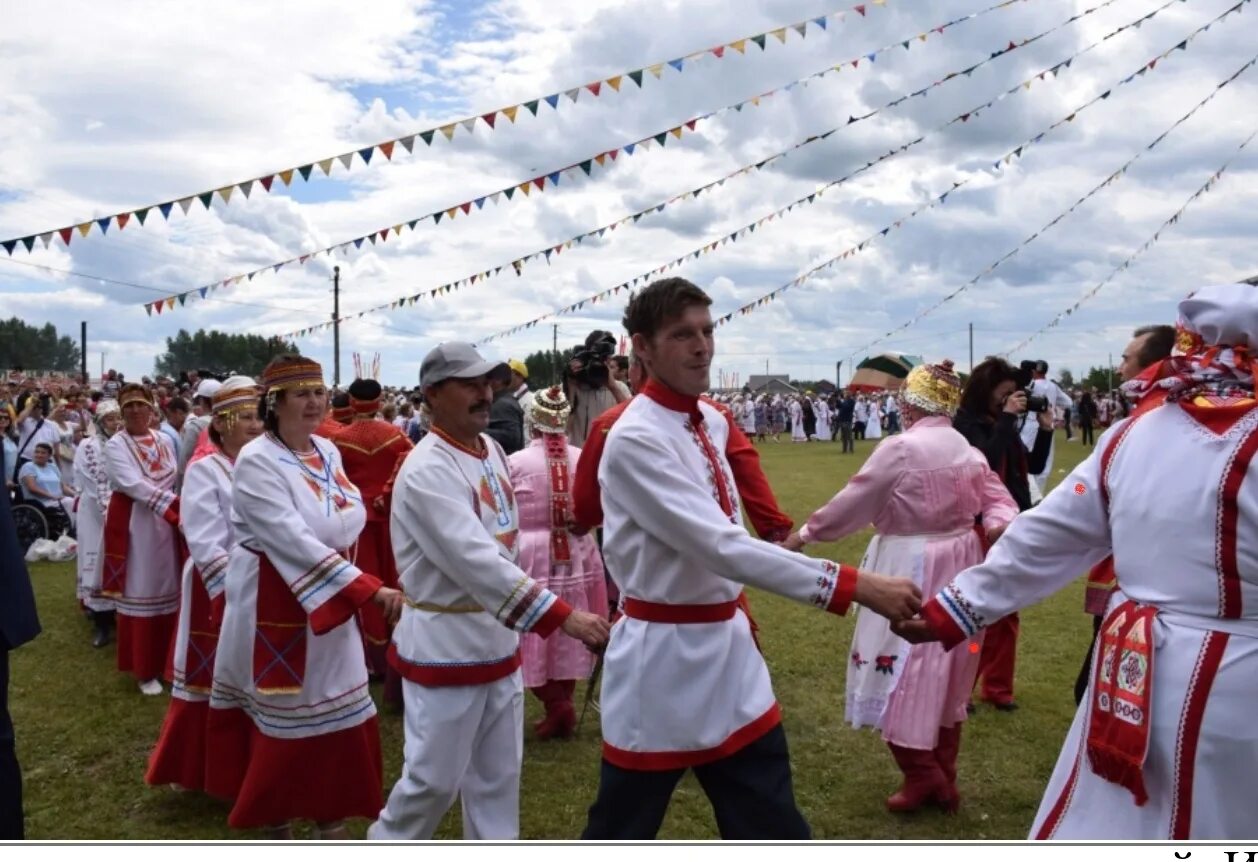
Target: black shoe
1006 707
970 709
104 623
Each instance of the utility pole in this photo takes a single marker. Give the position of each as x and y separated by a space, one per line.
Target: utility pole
336 327
971 347
838 374
83 351
1111 372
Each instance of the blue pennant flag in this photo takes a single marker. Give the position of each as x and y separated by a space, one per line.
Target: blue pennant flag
366 154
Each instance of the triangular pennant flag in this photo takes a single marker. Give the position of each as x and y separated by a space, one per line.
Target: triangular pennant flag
305 170
158 306
170 302
183 299
718 51
601 158
508 192
448 131
594 87
122 222
266 184
286 177
408 142
740 46
510 112
524 187
820 22
553 100
540 182
656 70
387 149
164 209
780 33
452 212
629 148
206 198
585 166
661 138
759 40
29 241
466 206
636 77
802 29
676 132
677 64
364 154
860 10
67 233
358 243
427 137
573 93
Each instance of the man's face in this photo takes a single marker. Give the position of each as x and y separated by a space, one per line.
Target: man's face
517 380
176 418
137 415
680 353
1130 366
461 406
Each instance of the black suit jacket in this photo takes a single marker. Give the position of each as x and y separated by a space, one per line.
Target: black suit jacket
19 621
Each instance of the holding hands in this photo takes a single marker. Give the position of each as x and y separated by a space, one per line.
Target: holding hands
896 599
591 629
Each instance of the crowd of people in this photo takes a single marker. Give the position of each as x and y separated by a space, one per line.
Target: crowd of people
271 546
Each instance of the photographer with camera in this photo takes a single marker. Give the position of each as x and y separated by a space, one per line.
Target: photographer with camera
33 428
994 404
591 384
1043 396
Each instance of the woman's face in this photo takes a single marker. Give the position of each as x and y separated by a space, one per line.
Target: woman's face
136 416
111 423
1000 394
41 455
301 410
247 426
6 422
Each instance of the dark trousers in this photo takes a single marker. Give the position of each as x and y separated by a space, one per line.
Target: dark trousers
11 828
1085 432
1085 672
1067 420
845 431
750 792
859 428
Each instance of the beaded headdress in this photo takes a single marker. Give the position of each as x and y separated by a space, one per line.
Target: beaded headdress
295 373
550 410
236 394
934 389
134 393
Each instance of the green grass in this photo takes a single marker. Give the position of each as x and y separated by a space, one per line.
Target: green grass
84 732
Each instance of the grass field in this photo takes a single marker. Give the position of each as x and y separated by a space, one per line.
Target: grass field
84 732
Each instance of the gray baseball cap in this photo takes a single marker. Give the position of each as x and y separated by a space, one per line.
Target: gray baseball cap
458 359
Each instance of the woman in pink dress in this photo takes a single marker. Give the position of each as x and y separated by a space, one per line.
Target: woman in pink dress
566 564
925 491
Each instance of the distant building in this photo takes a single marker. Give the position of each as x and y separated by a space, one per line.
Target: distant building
772 384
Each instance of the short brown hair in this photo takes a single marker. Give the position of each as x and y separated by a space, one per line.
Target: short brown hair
661 301
1158 344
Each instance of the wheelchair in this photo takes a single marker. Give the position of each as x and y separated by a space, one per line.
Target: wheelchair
34 521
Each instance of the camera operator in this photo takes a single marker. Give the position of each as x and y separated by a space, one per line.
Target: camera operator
992 408
33 428
591 383
1043 396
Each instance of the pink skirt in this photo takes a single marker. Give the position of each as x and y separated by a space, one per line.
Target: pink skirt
582 586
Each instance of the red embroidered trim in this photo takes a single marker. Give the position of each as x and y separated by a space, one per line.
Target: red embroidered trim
556 447
1208 661
1226 559
482 454
658 761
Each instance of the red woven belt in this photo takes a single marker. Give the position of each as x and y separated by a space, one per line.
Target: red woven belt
655 612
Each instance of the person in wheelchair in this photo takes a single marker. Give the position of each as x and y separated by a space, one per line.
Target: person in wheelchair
40 484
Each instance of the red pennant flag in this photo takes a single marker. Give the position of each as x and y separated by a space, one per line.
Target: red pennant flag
860 9
540 182
719 51
266 182
384 235
691 125
157 306
595 87
466 206
613 154
387 149
123 219
489 118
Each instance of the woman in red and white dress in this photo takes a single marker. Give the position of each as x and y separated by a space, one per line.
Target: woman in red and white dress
141 561
91 506
292 726
180 755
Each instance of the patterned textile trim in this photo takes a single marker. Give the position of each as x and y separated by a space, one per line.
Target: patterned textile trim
213 575
436 674
722 487
960 609
1227 524
560 487
342 708
321 575
295 375
158 606
434 608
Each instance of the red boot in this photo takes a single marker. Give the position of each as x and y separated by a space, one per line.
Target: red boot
946 751
924 781
561 718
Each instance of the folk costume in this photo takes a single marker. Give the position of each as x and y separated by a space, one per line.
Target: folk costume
1164 746
924 491
372 450
676 547
140 570
292 726
567 564
91 506
798 435
456 534
180 755
822 410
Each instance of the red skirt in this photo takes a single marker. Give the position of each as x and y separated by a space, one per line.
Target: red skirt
179 757
273 781
144 645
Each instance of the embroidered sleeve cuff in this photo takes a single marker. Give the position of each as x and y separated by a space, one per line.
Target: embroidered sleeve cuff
554 617
342 606
844 590
942 624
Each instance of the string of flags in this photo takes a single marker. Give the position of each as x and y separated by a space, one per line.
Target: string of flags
1105 183
491 121
1149 243
1015 153
608 158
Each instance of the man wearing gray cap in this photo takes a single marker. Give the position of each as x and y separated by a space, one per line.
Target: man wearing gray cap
455 527
198 423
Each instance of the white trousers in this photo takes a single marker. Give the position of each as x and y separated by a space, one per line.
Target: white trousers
460 741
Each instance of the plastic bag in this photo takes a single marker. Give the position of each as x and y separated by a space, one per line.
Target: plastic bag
65 548
39 550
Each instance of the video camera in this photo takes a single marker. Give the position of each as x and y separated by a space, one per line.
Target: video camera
591 358
1024 377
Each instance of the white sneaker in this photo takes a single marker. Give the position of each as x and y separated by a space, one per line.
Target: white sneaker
151 687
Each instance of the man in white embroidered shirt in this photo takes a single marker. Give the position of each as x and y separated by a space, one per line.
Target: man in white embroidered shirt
454 526
683 683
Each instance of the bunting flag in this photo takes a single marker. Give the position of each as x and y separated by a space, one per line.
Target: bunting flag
490 120
381 234
1016 152
1105 183
1149 243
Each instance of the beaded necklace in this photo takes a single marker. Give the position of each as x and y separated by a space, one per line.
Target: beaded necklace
325 480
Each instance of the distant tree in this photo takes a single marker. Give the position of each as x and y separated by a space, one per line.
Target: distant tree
1100 378
545 368
36 348
1066 379
219 352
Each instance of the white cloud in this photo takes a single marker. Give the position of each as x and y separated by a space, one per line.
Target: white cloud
113 109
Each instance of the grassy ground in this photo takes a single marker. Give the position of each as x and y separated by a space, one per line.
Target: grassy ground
84 732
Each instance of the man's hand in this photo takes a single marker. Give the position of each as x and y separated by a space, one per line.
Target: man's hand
591 629
1045 419
390 602
893 598
380 505
793 542
994 533
914 631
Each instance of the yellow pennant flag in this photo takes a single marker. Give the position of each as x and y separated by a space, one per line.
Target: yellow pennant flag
780 33
170 302
740 46
510 112
614 83
326 167
450 213
524 187
448 131
656 70
226 193
286 176
85 227
600 158
397 230
676 132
